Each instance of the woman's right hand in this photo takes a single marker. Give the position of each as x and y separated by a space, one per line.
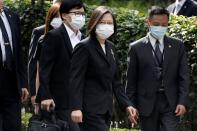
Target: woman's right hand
48 105
77 116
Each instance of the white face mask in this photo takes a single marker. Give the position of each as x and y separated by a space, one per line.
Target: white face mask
158 31
104 31
77 22
56 22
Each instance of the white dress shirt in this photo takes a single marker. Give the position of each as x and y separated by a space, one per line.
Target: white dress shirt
153 42
178 6
103 47
74 38
8 29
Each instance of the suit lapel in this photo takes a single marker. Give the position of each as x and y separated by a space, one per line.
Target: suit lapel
83 37
110 55
100 50
167 52
172 9
148 51
108 51
66 39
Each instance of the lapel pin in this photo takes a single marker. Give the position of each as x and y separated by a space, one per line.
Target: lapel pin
169 46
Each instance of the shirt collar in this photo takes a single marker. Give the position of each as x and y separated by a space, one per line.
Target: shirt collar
180 2
153 40
72 33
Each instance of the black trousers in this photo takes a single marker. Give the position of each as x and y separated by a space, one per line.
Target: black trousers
95 122
10 105
162 117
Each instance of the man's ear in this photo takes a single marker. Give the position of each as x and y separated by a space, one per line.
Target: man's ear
66 17
147 22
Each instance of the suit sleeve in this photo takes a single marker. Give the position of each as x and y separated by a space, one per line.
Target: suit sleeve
131 86
118 88
78 69
22 70
183 77
32 62
46 63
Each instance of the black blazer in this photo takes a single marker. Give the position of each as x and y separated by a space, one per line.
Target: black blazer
54 67
142 84
188 9
95 78
20 69
33 59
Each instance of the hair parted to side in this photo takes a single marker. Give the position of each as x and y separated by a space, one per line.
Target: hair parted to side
95 18
156 10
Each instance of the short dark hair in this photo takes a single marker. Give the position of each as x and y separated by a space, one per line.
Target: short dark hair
95 18
156 10
67 5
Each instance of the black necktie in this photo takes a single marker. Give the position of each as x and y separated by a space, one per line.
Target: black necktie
8 51
158 53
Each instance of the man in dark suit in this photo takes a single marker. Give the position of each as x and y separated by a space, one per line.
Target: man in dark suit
13 83
158 76
55 60
32 59
183 7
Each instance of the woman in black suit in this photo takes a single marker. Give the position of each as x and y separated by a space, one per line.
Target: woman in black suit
52 21
95 76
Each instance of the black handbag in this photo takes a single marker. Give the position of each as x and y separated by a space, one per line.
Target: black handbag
38 123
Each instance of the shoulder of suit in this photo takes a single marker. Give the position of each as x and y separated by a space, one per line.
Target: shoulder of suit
110 42
83 44
12 14
54 32
39 30
8 10
193 3
53 36
175 41
138 42
85 41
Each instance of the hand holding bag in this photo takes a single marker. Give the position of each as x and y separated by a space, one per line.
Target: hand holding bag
38 123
